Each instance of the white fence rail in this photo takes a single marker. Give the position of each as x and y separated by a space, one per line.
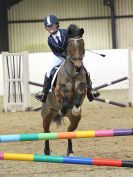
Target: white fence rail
130 75
16 93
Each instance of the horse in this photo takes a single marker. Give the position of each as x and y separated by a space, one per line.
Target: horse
70 89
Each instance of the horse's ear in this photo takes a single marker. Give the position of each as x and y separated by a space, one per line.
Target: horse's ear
81 32
71 30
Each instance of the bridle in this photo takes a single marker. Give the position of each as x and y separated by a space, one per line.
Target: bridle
73 59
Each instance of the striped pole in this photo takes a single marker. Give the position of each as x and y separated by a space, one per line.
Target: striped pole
110 102
65 159
110 83
65 135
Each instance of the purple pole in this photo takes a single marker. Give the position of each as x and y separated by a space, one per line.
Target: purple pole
111 83
111 102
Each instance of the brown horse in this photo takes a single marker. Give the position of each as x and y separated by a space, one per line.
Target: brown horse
70 89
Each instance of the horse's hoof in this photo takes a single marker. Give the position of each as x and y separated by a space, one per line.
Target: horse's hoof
71 155
46 152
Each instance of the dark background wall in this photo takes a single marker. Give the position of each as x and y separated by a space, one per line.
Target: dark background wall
107 23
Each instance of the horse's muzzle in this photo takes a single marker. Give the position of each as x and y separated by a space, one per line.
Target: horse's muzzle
76 111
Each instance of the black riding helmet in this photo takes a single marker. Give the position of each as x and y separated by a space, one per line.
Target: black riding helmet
51 20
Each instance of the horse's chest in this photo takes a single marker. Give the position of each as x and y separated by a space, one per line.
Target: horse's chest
68 85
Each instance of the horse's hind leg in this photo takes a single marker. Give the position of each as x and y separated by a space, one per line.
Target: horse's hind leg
74 121
46 125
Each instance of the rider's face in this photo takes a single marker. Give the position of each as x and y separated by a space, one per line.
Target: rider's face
52 28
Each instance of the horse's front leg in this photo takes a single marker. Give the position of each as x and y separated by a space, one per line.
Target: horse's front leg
46 148
69 147
76 113
74 121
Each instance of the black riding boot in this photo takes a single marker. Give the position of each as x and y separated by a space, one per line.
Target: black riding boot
42 95
91 95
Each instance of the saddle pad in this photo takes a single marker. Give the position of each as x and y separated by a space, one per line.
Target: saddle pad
55 76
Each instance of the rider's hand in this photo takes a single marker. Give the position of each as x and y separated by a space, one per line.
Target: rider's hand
64 54
92 95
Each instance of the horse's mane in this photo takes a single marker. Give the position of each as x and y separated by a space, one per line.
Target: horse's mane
75 31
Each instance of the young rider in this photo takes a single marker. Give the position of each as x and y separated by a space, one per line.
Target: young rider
57 41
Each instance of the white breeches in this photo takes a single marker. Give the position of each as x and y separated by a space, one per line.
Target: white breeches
53 61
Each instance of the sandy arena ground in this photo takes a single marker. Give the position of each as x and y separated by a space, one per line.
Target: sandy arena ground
95 116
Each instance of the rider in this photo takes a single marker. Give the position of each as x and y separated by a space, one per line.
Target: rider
57 41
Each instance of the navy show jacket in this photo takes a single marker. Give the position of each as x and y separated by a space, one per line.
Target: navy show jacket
59 51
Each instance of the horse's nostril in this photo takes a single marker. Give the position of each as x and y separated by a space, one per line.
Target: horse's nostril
64 105
78 69
63 111
77 105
